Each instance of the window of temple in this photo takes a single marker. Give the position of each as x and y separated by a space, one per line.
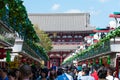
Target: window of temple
51 36
58 36
69 36
64 36
76 36
80 36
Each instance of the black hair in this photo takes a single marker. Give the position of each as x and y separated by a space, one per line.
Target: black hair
25 70
11 73
44 70
102 73
60 71
95 67
86 70
4 70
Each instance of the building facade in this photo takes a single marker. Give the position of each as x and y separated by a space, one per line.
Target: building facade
66 30
7 39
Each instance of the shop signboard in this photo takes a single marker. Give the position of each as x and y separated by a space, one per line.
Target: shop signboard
13 65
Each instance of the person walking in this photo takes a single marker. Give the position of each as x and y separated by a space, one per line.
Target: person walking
110 75
65 75
26 72
3 74
94 73
85 74
44 74
52 74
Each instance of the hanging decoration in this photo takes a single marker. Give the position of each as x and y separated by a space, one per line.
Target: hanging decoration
28 61
110 35
108 59
97 61
89 64
2 53
100 61
8 56
86 62
23 61
93 61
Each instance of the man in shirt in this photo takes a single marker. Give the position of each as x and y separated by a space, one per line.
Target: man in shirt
3 74
65 75
85 74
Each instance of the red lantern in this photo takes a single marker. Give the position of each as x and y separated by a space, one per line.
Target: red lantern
2 50
91 61
36 62
2 53
82 62
23 60
2 56
31 61
97 61
86 62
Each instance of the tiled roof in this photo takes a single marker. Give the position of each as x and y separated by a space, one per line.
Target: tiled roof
62 21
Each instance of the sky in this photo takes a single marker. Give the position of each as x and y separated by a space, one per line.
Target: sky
99 9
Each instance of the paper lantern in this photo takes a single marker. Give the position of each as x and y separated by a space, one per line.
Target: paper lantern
2 56
2 50
23 60
36 63
86 62
97 61
2 53
91 61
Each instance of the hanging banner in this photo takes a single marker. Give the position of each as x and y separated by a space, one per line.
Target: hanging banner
13 64
8 56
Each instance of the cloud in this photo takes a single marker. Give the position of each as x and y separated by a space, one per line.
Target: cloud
92 11
55 7
73 11
103 1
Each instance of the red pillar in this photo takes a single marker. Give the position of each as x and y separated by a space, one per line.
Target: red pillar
48 64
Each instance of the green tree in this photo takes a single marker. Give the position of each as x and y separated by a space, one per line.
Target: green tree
45 41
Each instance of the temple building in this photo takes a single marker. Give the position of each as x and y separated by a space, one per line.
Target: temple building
66 30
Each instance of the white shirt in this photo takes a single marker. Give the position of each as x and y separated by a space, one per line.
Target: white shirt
87 78
79 75
111 78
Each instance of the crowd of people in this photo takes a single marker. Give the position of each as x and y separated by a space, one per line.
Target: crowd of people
26 72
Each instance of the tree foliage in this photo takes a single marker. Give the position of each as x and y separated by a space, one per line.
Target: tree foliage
45 41
13 13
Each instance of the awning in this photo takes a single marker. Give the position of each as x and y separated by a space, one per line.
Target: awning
114 16
101 30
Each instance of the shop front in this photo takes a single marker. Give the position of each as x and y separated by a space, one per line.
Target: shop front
7 39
